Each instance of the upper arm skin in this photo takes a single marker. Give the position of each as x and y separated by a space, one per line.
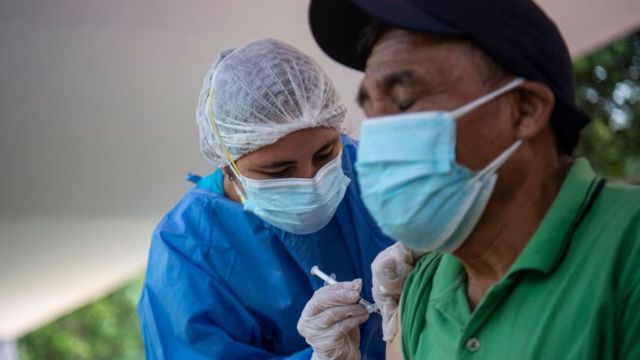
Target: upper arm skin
394 347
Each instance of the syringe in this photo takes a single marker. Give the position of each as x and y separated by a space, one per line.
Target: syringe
371 307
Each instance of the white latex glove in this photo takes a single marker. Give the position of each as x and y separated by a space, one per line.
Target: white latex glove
390 270
330 320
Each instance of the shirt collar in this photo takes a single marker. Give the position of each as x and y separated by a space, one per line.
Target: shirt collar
546 248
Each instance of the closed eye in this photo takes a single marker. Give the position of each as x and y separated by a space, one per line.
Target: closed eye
324 153
323 156
404 106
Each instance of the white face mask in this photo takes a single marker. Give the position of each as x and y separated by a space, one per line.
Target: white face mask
412 184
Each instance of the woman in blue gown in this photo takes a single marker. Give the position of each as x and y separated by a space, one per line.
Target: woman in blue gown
228 271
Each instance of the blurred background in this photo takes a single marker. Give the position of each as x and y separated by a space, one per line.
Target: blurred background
97 131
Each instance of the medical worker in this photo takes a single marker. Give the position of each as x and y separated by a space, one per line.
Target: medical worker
229 267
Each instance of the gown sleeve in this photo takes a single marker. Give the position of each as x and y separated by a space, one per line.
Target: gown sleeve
186 311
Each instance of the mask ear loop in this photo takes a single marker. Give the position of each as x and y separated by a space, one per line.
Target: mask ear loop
457 113
497 162
486 98
232 163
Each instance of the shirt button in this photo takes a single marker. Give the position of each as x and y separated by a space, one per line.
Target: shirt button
473 344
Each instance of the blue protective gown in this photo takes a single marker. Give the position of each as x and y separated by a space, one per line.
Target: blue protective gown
223 284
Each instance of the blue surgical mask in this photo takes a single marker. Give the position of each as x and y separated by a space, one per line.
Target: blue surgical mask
411 183
296 205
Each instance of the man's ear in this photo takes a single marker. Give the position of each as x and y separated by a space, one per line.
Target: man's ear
535 103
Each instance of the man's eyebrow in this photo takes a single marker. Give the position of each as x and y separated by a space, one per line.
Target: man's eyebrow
387 83
391 80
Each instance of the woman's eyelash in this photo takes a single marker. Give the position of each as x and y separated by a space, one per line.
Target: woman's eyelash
324 155
279 174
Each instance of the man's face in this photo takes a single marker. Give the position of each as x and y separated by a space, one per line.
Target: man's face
410 72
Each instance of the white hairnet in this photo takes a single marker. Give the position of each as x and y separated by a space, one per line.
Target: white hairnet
262 92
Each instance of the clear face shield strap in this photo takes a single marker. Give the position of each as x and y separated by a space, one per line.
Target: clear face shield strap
486 98
216 131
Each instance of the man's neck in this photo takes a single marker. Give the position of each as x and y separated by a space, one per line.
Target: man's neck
506 227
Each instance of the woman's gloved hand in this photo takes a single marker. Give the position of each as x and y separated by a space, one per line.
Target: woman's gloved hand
330 320
390 270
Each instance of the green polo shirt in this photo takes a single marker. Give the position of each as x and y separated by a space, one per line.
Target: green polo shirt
565 297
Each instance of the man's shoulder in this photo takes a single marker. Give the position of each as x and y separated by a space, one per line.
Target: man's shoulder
623 191
616 230
415 298
619 207
420 281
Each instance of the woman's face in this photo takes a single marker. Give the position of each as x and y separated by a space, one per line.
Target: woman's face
298 155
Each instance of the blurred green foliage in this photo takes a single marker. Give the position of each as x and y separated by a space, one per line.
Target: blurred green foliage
607 87
105 329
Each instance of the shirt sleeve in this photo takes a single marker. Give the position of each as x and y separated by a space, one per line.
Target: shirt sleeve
187 312
413 301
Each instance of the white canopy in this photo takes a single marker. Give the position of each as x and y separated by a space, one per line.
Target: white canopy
97 127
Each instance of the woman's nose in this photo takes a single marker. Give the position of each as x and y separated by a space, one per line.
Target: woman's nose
307 171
